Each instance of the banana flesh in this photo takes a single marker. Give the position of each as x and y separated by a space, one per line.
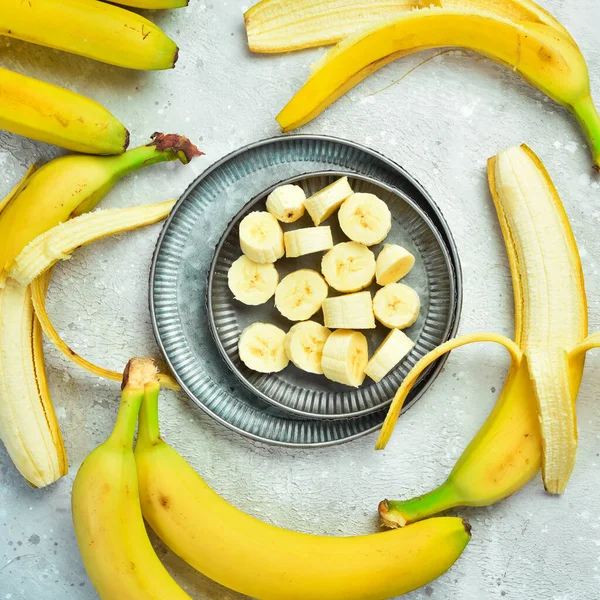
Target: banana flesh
300 294
287 25
109 526
301 242
393 263
396 306
261 348
345 356
52 114
393 349
321 205
540 54
351 311
190 517
90 28
286 203
366 219
261 237
304 345
252 283
349 267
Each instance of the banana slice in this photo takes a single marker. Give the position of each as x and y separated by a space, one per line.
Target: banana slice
396 306
306 241
252 283
304 345
261 237
393 263
392 350
365 218
349 267
345 356
324 203
261 348
353 311
286 203
300 294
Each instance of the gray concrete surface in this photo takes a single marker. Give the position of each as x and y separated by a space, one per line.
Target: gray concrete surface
441 123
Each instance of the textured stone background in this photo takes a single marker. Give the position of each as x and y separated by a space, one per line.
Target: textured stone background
441 123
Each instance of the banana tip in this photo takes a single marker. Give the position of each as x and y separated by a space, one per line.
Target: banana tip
467 527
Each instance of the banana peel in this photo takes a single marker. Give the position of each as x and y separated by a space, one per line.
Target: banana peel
540 54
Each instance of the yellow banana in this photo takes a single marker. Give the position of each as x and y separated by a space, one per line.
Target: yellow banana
154 4
540 54
269 563
112 538
90 28
287 25
54 115
533 422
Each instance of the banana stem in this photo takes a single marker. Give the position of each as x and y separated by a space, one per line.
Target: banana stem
431 357
149 429
398 513
587 115
124 430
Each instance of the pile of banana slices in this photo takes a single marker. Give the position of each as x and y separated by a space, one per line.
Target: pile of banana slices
349 267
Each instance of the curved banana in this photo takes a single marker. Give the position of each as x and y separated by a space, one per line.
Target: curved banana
540 54
533 422
90 28
109 526
52 114
287 25
269 563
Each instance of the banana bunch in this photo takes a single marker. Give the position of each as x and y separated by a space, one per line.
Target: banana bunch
32 239
534 421
515 33
347 267
116 489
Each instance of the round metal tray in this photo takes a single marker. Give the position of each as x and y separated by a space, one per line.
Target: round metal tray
185 249
312 395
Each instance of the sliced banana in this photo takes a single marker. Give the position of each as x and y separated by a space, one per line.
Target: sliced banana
392 350
353 311
261 348
365 218
252 283
325 202
300 294
349 267
345 356
306 241
304 345
396 306
286 203
393 263
261 237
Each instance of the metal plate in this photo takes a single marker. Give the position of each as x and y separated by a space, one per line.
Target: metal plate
311 395
181 263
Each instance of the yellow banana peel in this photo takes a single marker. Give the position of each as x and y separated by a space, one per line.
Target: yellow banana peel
287 25
534 422
540 54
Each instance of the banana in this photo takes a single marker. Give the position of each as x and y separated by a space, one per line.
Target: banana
59 242
52 114
539 53
261 348
392 350
325 202
154 4
261 237
213 536
109 526
393 263
286 25
71 185
304 345
396 306
286 203
365 218
252 283
90 28
349 267
550 314
352 311
300 242
345 356
300 294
